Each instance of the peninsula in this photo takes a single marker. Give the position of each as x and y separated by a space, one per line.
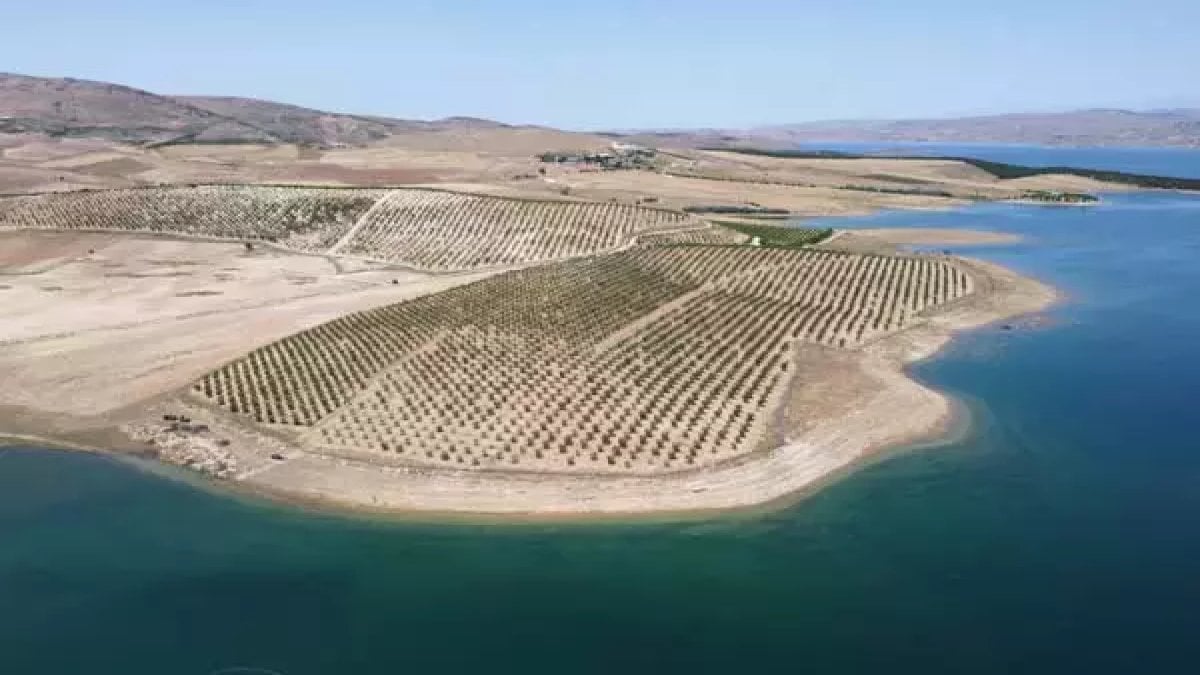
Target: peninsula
470 317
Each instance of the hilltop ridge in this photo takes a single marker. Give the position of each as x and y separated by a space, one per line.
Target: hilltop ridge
77 108
68 107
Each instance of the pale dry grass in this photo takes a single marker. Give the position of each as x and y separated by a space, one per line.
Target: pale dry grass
931 236
677 191
505 158
511 142
231 153
957 178
95 322
87 158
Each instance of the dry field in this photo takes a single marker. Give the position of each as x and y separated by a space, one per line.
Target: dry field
811 187
959 179
504 160
35 163
929 236
678 191
94 322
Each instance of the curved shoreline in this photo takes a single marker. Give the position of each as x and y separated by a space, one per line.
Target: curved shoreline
902 413
898 413
958 426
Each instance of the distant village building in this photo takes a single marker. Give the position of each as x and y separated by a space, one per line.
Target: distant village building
631 149
619 156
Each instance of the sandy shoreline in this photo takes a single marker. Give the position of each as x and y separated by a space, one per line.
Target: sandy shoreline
936 236
900 413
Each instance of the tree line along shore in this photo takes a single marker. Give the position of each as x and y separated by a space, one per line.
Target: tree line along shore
1001 170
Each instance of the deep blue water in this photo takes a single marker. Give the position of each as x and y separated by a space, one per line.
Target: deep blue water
1175 162
1061 536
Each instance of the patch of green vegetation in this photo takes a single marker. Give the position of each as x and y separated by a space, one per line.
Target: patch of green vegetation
1060 197
773 235
767 216
893 178
1004 171
898 191
739 210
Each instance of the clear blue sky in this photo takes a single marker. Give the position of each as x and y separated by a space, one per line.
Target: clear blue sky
626 63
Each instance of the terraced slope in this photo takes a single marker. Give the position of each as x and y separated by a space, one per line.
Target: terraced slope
642 361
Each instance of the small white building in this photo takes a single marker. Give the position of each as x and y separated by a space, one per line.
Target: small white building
630 149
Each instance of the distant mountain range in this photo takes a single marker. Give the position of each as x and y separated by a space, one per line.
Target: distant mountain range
68 107
1176 127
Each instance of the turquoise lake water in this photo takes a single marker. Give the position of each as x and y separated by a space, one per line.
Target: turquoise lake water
1061 536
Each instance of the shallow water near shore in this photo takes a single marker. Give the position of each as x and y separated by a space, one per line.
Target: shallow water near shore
1061 535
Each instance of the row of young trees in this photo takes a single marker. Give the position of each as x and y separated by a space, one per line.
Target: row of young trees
649 360
572 302
712 234
444 231
436 230
690 389
775 235
309 219
852 298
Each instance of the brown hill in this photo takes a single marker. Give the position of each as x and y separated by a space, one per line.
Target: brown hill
72 108
294 124
67 107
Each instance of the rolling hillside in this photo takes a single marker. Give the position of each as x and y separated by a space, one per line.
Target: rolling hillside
73 108
80 108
